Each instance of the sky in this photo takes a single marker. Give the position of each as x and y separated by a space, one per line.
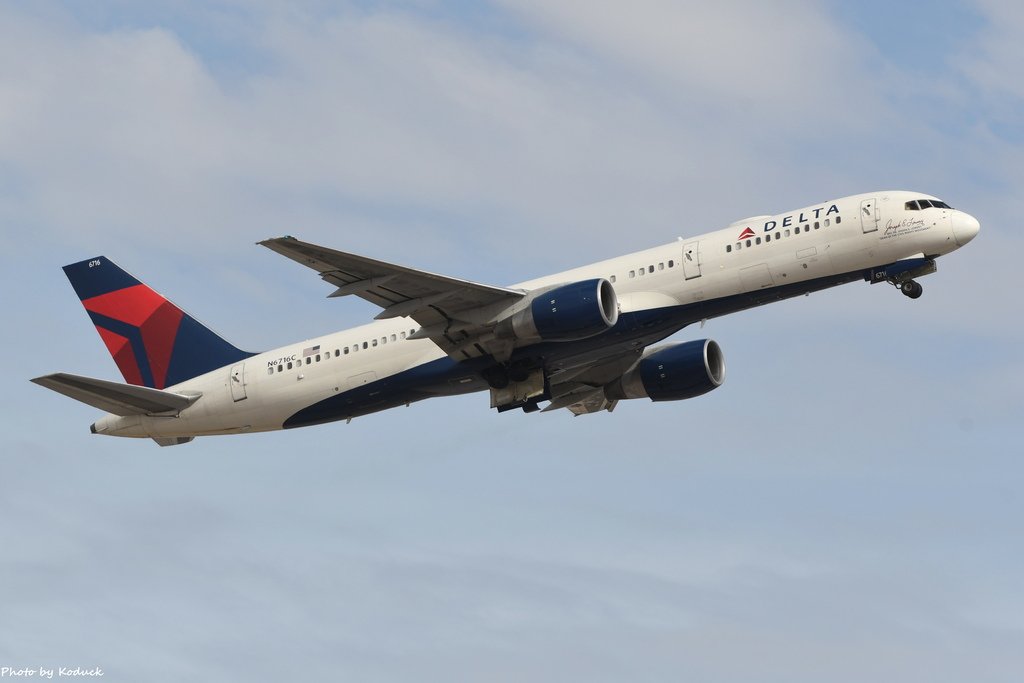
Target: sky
847 507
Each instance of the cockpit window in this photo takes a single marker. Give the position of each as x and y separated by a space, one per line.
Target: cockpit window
926 204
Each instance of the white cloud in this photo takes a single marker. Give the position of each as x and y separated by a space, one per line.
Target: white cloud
780 64
127 133
995 55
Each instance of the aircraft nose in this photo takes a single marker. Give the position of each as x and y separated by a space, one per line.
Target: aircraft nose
965 227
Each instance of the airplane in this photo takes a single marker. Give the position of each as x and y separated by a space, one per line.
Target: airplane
583 339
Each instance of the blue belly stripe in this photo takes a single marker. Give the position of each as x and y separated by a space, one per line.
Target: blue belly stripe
649 326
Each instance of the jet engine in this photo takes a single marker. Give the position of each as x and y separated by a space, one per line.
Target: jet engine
672 373
564 313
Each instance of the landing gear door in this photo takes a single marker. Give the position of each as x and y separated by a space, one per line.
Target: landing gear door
691 260
237 382
869 216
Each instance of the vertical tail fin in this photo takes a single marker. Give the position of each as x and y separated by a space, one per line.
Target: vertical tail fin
154 343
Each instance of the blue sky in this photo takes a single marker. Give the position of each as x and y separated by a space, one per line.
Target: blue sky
846 507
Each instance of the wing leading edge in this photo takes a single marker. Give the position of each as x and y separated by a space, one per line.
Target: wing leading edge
456 314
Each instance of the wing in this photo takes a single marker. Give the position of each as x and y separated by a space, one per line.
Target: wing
581 388
459 316
454 313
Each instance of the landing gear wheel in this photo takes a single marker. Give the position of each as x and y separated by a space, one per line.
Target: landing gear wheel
519 374
911 289
531 406
496 376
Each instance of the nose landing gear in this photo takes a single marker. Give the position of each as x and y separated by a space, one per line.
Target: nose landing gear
911 288
901 274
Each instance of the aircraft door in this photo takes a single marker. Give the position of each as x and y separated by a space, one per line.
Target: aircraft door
691 260
237 382
869 215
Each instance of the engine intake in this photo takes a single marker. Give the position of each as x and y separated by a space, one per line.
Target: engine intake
565 313
672 373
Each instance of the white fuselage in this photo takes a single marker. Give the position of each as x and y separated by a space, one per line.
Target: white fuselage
844 236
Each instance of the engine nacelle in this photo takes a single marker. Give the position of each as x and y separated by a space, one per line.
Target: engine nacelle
672 373
564 313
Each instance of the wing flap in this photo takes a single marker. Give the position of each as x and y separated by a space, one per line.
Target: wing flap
582 400
580 387
594 404
114 397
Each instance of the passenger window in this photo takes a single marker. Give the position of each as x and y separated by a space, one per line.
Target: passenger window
768 237
661 266
671 263
748 243
289 365
757 241
280 368
611 279
270 369
839 219
318 358
394 338
650 269
632 273
374 341
345 350
308 360
826 222
796 230
815 225
787 233
728 248
365 345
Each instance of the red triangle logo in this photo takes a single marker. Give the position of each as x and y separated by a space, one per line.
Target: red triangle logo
747 232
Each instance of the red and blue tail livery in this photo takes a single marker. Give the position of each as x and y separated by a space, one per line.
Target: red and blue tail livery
154 343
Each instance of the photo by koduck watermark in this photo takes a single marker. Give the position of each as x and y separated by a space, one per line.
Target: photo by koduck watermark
55 672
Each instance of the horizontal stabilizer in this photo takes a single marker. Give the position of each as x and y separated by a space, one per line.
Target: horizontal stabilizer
114 397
